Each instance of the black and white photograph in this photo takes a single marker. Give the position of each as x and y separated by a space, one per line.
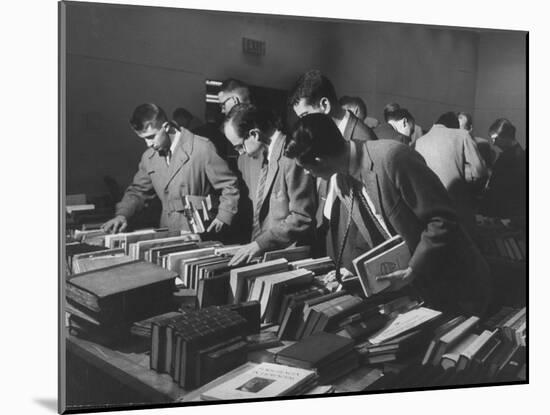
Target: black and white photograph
263 207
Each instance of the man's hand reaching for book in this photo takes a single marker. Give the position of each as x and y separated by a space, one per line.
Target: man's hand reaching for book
398 279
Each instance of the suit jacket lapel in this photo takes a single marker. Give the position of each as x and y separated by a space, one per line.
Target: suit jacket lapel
348 131
343 192
273 167
180 155
368 176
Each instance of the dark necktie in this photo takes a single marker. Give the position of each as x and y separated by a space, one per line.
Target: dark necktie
377 232
256 228
349 207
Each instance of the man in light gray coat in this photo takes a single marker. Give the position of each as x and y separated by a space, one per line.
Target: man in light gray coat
454 157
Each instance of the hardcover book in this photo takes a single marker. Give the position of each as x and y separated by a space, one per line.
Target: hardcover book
390 256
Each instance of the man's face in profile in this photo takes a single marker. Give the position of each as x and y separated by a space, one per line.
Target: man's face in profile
156 137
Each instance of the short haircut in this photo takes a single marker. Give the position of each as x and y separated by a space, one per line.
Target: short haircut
238 87
147 113
449 120
314 135
502 128
468 117
181 116
246 117
312 86
389 108
399 114
354 102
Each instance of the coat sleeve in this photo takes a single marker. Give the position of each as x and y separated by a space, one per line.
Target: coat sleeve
222 178
475 170
301 207
140 191
422 191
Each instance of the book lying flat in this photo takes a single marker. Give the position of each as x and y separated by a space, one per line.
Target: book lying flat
262 381
290 254
388 257
315 351
121 287
405 322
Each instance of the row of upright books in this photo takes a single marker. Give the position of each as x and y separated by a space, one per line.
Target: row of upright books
499 239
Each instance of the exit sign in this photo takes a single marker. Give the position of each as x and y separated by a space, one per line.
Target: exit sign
253 47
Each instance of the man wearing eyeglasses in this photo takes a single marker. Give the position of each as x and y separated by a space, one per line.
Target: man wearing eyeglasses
284 203
177 163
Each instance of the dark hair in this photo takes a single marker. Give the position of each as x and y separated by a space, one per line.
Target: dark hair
468 118
389 108
312 86
354 101
246 117
503 128
239 87
314 135
449 120
399 114
181 116
147 113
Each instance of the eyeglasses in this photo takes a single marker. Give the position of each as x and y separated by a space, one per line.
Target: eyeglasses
234 99
240 148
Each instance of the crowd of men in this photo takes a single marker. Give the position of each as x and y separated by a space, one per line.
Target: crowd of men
337 180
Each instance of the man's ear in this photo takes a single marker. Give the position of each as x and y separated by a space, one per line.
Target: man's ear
254 133
324 104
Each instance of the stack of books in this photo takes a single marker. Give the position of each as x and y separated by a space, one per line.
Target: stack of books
463 351
265 380
198 346
399 338
123 293
330 355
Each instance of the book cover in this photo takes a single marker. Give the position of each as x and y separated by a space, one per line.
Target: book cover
262 381
390 256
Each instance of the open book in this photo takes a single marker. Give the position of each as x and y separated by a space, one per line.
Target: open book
388 257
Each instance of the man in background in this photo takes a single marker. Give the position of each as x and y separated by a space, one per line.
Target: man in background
358 108
313 93
488 151
418 131
177 163
182 118
284 203
453 155
506 193
399 127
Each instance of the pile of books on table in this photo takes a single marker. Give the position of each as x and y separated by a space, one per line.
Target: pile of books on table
330 355
108 300
461 350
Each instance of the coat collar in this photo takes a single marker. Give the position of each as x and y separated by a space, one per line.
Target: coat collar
181 153
350 126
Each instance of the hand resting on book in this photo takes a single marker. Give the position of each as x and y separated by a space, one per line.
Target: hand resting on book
246 253
398 279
